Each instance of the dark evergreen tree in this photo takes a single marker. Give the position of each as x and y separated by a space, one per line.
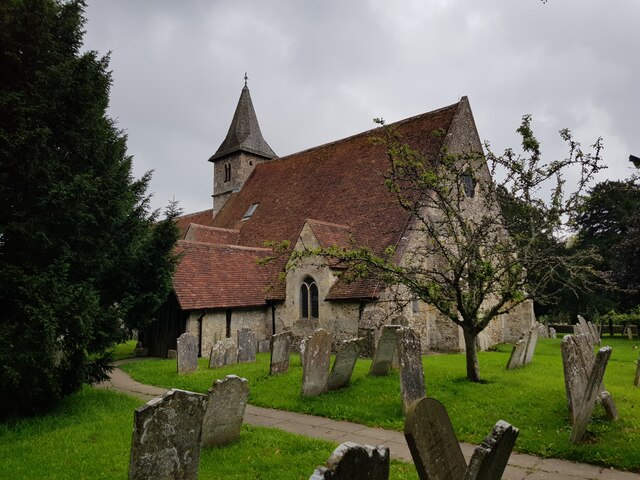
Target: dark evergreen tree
82 258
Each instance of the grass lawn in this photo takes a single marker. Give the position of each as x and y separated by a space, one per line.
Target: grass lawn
88 436
531 398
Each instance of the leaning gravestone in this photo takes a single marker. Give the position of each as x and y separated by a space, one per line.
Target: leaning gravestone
412 385
516 360
317 358
187 357
226 403
351 461
166 437
247 345
589 328
436 452
223 352
344 363
583 376
280 350
532 341
368 336
385 351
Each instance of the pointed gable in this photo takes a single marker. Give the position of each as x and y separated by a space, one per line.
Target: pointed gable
244 132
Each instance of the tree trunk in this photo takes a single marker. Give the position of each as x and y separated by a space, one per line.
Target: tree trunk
473 369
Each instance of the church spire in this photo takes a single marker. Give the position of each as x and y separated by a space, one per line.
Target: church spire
244 133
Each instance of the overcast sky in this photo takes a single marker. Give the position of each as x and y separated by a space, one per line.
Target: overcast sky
320 71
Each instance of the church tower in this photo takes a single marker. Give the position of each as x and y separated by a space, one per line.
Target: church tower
242 149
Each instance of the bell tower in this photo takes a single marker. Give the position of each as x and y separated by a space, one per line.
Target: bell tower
242 149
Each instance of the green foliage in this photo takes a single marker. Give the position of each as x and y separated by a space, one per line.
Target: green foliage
81 257
532 398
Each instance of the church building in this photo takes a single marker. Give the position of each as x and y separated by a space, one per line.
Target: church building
333 194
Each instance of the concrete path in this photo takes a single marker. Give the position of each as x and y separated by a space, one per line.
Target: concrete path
520 466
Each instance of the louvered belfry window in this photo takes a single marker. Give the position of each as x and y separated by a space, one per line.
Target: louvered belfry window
309 298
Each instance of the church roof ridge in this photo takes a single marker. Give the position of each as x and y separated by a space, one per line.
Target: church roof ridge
244 132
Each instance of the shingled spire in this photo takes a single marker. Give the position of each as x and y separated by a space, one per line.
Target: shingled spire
242 149
244 133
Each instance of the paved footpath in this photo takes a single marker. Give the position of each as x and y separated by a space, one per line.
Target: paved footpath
520 466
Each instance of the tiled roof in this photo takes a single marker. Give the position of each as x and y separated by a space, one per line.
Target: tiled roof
330 234
205 217
220 276
202 233
337 183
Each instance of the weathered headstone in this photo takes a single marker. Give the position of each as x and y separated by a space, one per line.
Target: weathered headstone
412 386
516 360
552 333
317 358
302 348
355 462
532 341
226 403
636 381
166 437
629 332
343 364
433 444
589 328
584 408
490 458
385 351
264 345
247 345
436 452
172 354
368 335
223 353
187 358
543 332
280 350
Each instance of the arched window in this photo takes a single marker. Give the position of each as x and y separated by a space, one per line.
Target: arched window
309 298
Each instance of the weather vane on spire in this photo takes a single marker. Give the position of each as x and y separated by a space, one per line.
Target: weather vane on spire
245 79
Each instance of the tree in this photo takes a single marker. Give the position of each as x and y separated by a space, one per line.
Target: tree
469 261
82 259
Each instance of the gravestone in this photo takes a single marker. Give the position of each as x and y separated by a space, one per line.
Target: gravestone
223 352
317 357
532 341
385 351
629 332
165 443
343 364
432 442
516 359
552 333
264 345
187 357
280 350
490 458
226 403
588 328
355 462
368 344
247 345
636 381
436 452
172 354
412 386
583 376
543 332
303 349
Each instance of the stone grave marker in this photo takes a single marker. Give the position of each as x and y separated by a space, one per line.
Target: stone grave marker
490 458
351 461
385 351
247 345
264 345
226 403
532 341
412 386
317 358
629 332
343 364
436 452
223 352
368 335
636 381
516 359
280 350
588 328
165 443
187 358
583 376
172 354
552 333
302 347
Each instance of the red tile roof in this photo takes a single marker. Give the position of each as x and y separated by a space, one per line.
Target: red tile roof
220 276
205 217
331 234
202 233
